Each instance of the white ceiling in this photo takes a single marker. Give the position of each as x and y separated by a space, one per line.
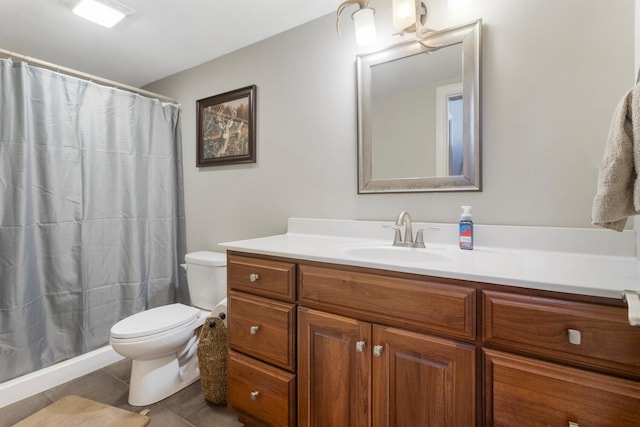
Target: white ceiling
163 36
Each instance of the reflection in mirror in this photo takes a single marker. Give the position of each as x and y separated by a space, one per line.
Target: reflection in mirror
418 114
421 85
449 149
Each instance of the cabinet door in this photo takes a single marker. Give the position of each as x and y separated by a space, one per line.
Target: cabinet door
523 392
421 380
334 370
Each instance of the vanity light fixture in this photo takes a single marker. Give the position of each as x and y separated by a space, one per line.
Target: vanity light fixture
409 16
362 19
365 26
404 18
404 13
104 12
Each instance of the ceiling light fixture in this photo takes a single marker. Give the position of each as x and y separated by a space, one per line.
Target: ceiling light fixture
106 12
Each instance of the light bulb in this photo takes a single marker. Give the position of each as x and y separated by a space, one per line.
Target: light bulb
365 26
404 13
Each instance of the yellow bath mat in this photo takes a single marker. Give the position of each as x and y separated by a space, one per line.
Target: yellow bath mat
75 411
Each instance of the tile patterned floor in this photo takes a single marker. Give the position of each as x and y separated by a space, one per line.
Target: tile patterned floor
110 385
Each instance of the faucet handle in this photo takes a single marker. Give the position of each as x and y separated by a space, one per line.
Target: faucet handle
398 237
420 237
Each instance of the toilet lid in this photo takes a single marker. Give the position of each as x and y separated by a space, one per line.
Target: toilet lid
211 259
154 321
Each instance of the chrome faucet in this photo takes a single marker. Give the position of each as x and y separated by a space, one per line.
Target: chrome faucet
404 219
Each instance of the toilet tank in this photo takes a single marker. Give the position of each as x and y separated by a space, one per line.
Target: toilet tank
206 278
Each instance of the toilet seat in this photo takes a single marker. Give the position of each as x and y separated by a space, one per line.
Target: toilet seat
155 321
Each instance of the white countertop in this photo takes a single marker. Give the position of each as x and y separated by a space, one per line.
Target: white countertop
586 273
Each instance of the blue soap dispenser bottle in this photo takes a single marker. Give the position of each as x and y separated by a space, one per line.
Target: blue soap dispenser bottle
466 229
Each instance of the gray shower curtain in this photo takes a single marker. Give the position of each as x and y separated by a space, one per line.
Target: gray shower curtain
91 213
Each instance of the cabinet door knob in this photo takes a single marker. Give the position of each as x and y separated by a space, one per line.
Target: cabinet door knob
572 424
360 345
253 277
254 329
377 350
574 337
255 395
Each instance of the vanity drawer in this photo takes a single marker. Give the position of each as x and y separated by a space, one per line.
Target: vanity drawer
262 328
274 279
526 392
588 334
261 392
424 304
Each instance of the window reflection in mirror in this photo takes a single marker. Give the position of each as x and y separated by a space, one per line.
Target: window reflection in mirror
453 140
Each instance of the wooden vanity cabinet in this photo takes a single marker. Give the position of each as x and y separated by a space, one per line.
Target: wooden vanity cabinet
558 362
365 350
593 336
261 379
354 373
314 344
523 391
354 369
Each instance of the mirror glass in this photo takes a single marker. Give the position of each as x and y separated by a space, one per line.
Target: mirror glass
418 114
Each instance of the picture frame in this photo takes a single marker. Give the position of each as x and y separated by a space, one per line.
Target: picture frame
226 128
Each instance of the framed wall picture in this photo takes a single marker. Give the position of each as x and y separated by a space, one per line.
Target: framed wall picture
227 128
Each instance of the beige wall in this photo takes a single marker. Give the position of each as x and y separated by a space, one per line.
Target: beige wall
553 71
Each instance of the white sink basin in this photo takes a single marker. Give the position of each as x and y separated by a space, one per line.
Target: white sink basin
398 254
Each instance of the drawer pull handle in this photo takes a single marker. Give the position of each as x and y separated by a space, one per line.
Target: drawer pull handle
253 277
377 350
255 395
574 337
360 345
254 329
572 424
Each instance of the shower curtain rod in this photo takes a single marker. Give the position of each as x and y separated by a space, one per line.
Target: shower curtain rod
86 76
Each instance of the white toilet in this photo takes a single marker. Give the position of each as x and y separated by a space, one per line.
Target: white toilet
163 341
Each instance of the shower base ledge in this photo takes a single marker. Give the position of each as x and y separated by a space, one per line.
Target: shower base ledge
36 382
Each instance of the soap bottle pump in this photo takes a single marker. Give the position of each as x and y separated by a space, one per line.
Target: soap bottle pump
466 229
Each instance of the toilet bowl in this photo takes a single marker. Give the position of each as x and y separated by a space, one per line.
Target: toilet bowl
162 342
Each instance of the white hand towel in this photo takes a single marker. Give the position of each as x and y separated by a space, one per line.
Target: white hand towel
618 195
